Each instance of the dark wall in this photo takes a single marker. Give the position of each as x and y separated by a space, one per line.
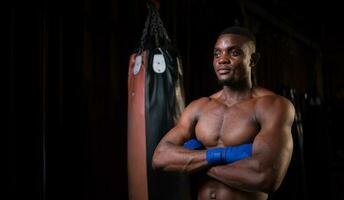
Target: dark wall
66 90
67 74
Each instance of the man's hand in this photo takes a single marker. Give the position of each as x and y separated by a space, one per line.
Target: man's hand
193 144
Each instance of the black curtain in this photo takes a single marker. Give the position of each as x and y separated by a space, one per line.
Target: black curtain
65 74
66 78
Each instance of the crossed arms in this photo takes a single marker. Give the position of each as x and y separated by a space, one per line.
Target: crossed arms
271 148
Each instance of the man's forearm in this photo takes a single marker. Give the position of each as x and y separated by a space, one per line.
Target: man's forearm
243 175
171 157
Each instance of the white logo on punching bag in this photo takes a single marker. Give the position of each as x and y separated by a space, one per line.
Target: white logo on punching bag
138 62
159 65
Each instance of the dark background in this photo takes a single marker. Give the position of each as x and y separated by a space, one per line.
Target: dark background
66 65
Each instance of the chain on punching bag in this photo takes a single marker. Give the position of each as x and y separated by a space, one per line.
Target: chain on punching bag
155 101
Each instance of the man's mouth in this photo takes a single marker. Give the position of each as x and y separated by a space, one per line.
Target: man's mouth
223 71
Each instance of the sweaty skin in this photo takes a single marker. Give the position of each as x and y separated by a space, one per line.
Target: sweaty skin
239 113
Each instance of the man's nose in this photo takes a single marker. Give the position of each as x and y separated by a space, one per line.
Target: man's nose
224 59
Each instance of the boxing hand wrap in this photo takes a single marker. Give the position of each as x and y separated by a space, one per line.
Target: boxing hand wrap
232 154
193 144
214 156
228 155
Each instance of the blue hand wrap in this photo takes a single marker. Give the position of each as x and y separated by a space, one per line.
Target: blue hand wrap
232 154
214 156
228 155
193 144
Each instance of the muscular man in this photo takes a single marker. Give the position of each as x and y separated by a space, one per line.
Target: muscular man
240 113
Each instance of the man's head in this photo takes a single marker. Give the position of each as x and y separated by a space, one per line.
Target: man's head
234 56
239 31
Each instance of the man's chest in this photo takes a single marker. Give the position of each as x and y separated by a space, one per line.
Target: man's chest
220 125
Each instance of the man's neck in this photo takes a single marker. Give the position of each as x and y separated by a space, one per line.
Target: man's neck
236 93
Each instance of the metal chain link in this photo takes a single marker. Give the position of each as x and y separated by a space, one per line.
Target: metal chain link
145 31
160 25
154 27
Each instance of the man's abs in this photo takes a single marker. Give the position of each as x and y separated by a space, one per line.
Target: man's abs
212 189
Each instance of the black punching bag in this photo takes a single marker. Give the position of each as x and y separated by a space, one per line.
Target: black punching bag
155 101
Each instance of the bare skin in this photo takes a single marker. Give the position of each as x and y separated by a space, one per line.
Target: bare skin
238 114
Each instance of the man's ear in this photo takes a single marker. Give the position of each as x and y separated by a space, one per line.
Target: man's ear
254 59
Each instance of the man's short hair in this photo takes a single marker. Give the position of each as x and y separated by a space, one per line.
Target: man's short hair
240 31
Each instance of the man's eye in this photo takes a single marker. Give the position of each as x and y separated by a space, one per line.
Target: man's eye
235 53
216 54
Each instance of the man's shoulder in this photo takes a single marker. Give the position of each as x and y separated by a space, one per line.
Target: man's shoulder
261 92
195 107
267 99
274 109
205 100
200 102
273 102
272 98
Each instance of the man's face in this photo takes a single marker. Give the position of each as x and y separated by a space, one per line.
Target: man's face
232 54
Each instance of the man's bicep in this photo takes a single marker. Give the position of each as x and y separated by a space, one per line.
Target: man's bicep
185 128
273 145
177 135
275 117
275 132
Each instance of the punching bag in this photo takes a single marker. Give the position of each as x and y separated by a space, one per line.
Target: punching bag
155 101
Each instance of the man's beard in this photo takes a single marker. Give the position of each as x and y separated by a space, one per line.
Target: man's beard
225 82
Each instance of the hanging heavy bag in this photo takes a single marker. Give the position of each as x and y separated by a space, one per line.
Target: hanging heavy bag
155 101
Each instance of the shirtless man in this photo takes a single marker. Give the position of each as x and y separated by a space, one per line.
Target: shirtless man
240 113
